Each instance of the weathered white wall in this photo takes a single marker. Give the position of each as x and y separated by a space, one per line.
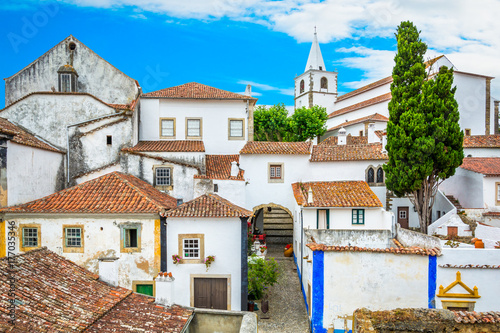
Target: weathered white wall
101 239
32 173
377 281
214 114
471 98
97 174
95 75
473 196
222 239
486 280
482 152
341 219
233 190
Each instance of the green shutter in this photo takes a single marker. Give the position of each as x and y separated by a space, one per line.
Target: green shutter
146 289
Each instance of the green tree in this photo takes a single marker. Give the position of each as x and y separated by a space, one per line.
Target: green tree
424 140
308 123
270 124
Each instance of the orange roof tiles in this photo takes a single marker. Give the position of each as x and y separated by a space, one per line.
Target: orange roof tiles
336 194
363 89
360 105
196 91
282 148
359 152
22 137
373 117
56 295
114 193
219 167
208 205
481 141
472 317
168 146
351 140
488 166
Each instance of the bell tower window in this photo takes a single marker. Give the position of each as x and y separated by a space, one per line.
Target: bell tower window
67 78
324 83
301 86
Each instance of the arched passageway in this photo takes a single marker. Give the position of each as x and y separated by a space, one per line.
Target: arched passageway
275 221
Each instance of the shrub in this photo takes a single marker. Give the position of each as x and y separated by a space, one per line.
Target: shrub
262 274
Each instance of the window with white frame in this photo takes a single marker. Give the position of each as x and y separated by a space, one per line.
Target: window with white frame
73 237
193 128
163 176
167 127
236 130
191 248
358 216
30 237
275 171
130 237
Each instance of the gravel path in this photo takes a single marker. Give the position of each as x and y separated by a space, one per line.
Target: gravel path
287 311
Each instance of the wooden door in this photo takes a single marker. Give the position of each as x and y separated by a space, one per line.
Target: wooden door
452 231
403 218
210 293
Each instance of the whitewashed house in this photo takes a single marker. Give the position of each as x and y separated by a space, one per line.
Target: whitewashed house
208 226
482 146
115 218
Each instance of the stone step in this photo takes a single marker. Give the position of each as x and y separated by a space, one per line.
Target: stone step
279 240
271 226
275 232
287 220
281 213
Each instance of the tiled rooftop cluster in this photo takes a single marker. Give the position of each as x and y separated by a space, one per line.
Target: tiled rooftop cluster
168 146
219 167
350 140
208 205
336 194
481 141
112 193
488 166
472 317
23 137
357 152
284 148
196 91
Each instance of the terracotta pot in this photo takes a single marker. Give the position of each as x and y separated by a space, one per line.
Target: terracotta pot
479 244
289 252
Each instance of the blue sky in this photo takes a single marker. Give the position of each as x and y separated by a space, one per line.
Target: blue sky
229 43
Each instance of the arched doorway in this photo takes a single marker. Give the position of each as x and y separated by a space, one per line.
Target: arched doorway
275 221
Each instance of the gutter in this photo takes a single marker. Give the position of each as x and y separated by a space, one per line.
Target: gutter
186 326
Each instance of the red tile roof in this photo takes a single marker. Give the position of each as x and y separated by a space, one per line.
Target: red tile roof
472 317
196 91
208 205
114 193
281 148
336 194
360 152
219 167
23 137
370 118
360 105
488 166
363 89
481 141
351 140
56 295
168 146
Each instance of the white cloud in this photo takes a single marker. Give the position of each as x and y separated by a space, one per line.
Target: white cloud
266 87
139 16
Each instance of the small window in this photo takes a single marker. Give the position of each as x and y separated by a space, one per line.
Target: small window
324 83
320 68
130 237
497 185
361 133
73 237
380 175
467 131
301 86
180 202
358 216
236 129
144 287
275 172
167 128
191 248
370 178
402 214
30 237
193 128
216 188
163 176
109 140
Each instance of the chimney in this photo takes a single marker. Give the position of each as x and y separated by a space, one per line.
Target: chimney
342 138
248 90
108 270
384 142
372 137
310 196
164 289
234 169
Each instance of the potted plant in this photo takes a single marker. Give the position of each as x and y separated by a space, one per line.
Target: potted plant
262 274
208 261
176 259
262 250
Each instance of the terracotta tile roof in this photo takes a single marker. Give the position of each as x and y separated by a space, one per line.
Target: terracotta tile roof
196 91
281 148
351 140
490 214
488 166
470 266
373 117
169 146
472 317
363 89
336 194
56 295
359 152
208 205
481 141
114 193
360 105
380 133
23 137
161 159
219 167
139 313
399 249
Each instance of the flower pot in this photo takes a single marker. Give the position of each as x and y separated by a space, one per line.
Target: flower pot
479 244
288 252
251 306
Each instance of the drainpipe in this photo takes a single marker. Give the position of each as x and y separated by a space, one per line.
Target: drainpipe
244 263
163 244
67 137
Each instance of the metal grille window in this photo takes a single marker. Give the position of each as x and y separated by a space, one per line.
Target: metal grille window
358 216
163 176
167 127
275 172
130 237
193 127
236 128
191 248
30 237
73 237
371 176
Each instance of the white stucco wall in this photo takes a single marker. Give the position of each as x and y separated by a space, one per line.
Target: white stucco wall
356 128
471 98
341 219
222 237
97 174
101 239
372 93
380 108
486 280
233 190
490 193
215 116
322 97
490 235
473 197
481 152
32 173
339 171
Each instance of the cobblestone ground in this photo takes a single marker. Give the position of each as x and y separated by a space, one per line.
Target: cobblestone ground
287 311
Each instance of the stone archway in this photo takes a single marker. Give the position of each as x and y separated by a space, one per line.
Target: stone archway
275 221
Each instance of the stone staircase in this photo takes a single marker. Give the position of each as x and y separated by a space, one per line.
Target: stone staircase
278 226
455 202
